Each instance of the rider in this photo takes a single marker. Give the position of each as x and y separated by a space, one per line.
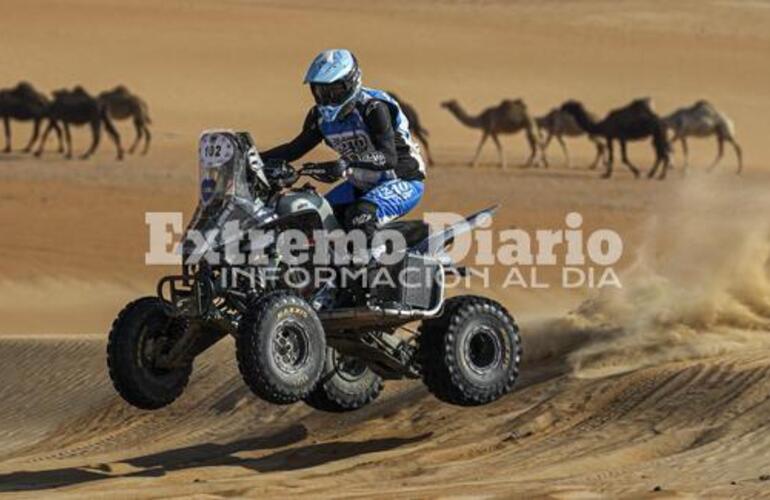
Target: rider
382 164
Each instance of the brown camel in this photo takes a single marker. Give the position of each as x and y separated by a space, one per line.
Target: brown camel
635 121
78 107
702 119
560 124
24 103
508 117
123 105
415 127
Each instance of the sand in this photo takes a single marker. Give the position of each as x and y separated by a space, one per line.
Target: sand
662 384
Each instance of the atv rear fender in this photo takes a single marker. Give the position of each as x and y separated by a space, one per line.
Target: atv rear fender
435 244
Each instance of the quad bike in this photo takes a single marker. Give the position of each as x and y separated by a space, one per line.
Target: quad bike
331 347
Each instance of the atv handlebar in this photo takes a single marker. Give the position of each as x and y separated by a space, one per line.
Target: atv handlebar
328 172
282 174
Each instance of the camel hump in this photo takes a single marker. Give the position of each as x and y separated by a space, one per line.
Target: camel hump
119 91
643 102
513 105
25 86
703 104
24 90
571 104
513 102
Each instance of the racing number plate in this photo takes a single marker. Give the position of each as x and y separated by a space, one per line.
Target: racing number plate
215 150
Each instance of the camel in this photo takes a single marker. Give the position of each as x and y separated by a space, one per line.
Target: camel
508 117
702 119
123 105
559 124
24 103
635 121
415 127
78 107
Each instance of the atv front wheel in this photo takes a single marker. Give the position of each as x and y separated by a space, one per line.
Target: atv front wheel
280 348
346 385
142 332
470 354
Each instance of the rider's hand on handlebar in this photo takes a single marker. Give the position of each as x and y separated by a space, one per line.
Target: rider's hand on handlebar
280 172
327 171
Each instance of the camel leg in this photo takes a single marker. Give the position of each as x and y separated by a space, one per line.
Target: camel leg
599 154
478 149
544 147
96 134
685 154
148 136
738 154
663 162
500 150
45 138
564 149
626 161
68 141
533 146
720 152
655 169
113 133
139 134
610 159
35 134
666 163
7 124
673 140
57 129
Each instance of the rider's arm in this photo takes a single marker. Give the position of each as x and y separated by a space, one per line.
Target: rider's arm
309 138
378 120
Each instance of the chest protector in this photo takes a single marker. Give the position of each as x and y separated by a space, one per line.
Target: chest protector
350 135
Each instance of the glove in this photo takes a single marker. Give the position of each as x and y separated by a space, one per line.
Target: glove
370 160
280 172
327 171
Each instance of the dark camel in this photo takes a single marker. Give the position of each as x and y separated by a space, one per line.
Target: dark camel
78 107
508 117
635 121
560 124
415 127
123 105
24 103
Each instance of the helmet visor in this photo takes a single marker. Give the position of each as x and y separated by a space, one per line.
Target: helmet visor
331 94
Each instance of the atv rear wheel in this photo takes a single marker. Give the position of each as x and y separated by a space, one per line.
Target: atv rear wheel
346 385
280 348
470 354
142 332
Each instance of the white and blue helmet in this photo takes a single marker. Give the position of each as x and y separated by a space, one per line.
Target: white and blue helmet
335 81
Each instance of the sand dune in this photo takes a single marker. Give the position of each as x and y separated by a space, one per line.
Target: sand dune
660 385
691 426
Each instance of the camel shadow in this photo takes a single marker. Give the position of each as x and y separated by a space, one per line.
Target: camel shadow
211 455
